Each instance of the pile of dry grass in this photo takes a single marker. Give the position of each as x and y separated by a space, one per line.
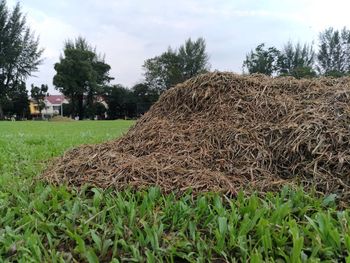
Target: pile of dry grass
59 118
225 132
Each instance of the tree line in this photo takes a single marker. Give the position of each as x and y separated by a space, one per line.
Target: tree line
300 60
83 75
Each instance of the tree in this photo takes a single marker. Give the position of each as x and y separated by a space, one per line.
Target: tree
67 109
144 96
81 74
38 95
18 102
175 66
193 58
120 101
19 51
297 61
100 110
334 52
96 109
262 60
164 71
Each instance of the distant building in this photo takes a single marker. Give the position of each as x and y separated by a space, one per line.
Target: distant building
53 106
33 108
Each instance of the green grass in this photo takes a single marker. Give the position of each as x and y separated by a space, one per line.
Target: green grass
43 223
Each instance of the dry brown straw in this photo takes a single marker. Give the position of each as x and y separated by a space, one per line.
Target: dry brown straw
225 132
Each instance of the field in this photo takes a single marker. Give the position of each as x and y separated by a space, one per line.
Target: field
44 223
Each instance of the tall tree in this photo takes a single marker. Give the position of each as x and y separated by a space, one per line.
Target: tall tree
144 96
193 58
38 95
120 101
18 101
175 66
80 73
164 71
297 61
96 109
19 51
262 60
334 52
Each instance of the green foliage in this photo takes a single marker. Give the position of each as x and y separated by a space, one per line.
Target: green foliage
121 102
126 103
81 73
144 97
294 60
193 58
175 66
297 61
43 223
302 72
333 57
97 109
19 51
17 102
262 60
164 71
334 52
67 109
38 95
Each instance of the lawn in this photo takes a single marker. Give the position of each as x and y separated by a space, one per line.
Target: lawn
43 223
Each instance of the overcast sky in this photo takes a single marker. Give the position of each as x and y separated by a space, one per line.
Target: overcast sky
130 31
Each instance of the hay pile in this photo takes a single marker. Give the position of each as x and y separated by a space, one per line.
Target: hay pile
225 132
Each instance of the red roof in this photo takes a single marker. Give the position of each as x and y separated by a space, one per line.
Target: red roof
55 99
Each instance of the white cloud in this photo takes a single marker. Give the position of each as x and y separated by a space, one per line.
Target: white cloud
128 32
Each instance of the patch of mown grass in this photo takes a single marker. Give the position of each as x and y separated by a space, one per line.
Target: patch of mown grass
43 223
24 146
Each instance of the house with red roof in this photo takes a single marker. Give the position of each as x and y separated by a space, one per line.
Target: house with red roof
53 106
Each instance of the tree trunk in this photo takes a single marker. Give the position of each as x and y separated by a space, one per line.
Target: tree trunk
72 101
89 104
1 113
81 107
